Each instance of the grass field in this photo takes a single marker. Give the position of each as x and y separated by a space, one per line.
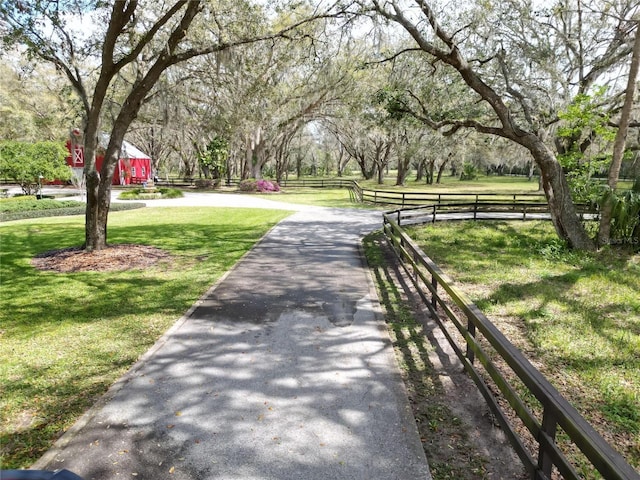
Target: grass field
575 314
67 337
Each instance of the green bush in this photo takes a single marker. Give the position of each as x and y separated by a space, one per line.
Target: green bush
248 186
28 164
142 193
29 203
261 185
6 216
469 171
206 183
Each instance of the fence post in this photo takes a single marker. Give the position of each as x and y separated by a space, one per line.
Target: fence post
433 215
549 426
471 328
434 295
475 209
398 217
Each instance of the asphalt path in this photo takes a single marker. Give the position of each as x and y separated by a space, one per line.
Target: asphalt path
283 370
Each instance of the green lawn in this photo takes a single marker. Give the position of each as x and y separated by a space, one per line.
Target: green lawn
575 314
65 338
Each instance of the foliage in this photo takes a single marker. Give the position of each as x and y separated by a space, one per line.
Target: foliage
80 209
586 134
34 104
469 171
17 204
203 183
625 216
247 186
139 193
585 117
267 186
67 337
213 161
28 164
261 185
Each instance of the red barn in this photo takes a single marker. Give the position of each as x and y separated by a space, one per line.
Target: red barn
133 166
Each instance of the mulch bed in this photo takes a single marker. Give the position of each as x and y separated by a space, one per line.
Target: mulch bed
113 258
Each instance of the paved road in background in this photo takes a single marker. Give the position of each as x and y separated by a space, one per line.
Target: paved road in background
284 370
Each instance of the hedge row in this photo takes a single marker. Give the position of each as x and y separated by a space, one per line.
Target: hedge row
54 212
29 203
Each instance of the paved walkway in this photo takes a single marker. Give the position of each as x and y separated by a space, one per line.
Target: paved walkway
282 371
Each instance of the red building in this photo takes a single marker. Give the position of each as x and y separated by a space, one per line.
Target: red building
133 165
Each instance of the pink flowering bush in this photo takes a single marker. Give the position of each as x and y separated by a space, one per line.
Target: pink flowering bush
267 186
258 186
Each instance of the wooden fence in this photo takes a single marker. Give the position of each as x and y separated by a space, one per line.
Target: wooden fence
481 210
408 199
506 378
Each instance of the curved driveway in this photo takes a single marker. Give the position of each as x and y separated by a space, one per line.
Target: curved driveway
283 370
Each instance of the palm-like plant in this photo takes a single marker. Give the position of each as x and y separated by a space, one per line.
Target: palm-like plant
625 217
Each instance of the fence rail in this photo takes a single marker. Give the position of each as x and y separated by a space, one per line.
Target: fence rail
409 199
480 210
477 341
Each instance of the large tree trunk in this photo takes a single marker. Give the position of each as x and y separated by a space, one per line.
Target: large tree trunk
563 212
99 192
442 166
403 170
95 236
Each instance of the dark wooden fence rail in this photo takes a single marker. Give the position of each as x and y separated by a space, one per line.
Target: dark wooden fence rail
484 350
408 199
479 209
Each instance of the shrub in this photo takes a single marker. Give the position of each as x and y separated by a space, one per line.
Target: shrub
247 186
258 186
207 183
267 186
80 209
170 192
469 171
29 203
150 193
28 164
